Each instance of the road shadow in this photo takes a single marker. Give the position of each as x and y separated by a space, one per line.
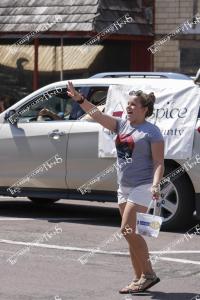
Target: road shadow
68 212
164 296
73 213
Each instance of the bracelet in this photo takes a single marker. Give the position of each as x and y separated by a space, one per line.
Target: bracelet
156 185
156 188
81 100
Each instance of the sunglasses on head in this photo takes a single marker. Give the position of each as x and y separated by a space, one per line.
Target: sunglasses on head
131 93
139 93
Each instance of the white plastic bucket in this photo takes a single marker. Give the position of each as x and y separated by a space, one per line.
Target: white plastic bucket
148 225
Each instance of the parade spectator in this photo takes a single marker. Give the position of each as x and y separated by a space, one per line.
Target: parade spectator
139 181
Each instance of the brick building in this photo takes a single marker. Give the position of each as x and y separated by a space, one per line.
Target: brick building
182 52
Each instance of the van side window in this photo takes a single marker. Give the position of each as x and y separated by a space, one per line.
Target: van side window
49 106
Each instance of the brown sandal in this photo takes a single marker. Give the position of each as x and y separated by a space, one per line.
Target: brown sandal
145 283
126 289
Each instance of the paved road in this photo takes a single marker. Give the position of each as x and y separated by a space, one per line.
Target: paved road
44 246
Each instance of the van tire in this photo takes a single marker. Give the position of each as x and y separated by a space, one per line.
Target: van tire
183 191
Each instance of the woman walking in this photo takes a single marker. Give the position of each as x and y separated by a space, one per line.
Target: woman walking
139 180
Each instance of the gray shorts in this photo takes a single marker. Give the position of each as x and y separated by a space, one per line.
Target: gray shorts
139 195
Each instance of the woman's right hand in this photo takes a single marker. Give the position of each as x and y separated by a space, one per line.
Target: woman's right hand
106 121
72 92
155 190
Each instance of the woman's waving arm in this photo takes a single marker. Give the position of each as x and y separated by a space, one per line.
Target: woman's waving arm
103 119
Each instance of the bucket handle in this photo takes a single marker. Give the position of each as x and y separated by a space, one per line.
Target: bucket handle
154 208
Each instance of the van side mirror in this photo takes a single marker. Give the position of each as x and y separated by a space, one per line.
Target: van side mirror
11 116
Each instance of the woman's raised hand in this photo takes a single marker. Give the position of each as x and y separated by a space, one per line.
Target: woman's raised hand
71 92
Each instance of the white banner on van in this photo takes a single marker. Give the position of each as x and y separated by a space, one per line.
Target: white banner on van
175 113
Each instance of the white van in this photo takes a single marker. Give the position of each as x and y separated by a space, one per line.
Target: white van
31 141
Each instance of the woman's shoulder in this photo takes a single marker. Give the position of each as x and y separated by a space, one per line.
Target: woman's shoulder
152 126
154 131
121 123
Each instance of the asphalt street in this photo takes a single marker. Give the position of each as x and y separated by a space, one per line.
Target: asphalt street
41 247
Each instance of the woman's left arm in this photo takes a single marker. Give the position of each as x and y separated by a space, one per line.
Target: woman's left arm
157 149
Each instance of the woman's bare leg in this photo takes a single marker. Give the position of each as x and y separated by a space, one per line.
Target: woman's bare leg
136 242
135 261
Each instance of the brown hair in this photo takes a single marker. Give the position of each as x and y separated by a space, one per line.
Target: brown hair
146 100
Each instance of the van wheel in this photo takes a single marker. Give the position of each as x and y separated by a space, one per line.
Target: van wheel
177 200
42 201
